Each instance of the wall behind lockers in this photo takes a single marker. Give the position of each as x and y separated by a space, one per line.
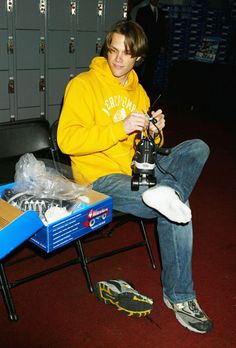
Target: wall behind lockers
189 21
43 44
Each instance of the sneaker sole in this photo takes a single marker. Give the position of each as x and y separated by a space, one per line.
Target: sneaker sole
121 301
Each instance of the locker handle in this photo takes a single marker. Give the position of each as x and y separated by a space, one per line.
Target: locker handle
42 7
125 10
98 45
73 8
11 85
42 85
100 8
72 46
9 5
42 45
10 46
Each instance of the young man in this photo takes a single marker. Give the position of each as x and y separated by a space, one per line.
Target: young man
103 111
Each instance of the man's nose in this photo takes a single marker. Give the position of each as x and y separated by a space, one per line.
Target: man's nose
119 56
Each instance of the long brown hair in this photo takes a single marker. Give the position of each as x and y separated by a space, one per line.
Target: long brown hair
135 39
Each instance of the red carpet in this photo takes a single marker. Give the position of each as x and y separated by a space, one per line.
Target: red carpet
57 311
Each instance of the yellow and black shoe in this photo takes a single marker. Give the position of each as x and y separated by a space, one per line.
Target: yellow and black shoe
124 297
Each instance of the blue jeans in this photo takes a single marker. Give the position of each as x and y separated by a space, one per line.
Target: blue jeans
185 162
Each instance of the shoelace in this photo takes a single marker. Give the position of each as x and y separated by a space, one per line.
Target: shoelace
193 307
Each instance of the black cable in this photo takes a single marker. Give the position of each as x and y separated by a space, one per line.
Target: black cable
162 151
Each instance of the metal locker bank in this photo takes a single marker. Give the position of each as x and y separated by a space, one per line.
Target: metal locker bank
45 43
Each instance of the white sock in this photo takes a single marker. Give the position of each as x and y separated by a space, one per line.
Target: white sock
165 200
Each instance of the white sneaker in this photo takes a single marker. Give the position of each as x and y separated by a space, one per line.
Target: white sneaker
190 315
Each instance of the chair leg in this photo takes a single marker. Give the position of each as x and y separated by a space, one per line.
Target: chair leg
7 294
147 244
84 263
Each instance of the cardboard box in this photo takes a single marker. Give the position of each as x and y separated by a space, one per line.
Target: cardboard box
16 227
85 220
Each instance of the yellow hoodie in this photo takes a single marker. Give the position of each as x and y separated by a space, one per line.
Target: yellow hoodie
90 128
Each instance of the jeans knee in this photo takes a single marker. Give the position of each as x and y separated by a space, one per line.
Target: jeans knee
201 148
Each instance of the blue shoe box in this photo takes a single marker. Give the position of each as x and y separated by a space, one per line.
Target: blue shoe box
16 227
88 218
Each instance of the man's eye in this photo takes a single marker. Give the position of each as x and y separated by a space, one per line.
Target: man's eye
111 50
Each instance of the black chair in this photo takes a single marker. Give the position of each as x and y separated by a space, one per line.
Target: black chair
16 139
119 219
33 136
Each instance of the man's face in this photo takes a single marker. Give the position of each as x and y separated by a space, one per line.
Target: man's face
119 59
154 2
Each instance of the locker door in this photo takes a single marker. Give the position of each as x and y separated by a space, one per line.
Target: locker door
60 53
29 59
88 44
89 39
87 14
3 15
6 108
4 77
4 97
114 11
27 73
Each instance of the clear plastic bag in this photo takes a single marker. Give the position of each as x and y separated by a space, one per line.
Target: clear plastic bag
34 177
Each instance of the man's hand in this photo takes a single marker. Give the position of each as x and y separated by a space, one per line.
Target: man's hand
136 121
160 118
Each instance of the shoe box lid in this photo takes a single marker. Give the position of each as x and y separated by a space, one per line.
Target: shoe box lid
16 227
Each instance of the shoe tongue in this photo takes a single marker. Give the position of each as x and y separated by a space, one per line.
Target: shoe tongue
181 305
